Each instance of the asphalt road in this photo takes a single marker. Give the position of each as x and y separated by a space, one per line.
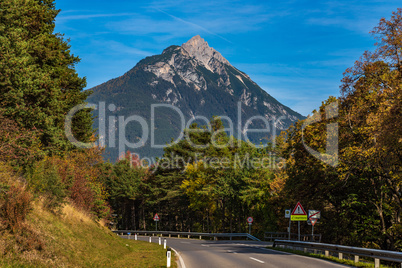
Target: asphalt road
206 253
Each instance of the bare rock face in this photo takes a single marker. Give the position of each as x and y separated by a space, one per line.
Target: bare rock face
207 56
185 59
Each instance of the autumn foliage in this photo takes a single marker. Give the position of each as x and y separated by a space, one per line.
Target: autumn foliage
360 198
73 177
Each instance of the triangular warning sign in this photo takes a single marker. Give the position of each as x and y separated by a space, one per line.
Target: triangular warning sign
313 221
156 217
299 210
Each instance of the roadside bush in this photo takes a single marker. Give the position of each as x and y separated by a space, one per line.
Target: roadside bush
45 180
14 207
19 147
75 177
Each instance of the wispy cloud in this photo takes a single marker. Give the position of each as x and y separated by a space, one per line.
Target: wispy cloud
196 26
210 18
357 16
362 26
63 17
125 49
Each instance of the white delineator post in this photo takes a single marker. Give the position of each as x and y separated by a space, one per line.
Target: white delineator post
169 256
150 239
135 236
164 243
160 242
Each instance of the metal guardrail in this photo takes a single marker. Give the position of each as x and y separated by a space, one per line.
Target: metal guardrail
271 236
376 254
189 234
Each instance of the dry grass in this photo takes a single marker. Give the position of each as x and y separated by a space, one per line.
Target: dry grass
72 214
70 238
73 239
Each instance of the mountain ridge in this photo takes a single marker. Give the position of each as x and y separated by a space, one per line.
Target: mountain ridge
197 80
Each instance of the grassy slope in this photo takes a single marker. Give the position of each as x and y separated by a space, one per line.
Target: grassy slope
74 240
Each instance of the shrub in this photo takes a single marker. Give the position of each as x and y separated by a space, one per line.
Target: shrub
46 181
14 207
18 147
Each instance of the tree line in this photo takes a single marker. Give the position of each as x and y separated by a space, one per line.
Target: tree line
208 181
357 188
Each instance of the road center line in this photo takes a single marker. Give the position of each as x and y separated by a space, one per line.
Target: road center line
254 259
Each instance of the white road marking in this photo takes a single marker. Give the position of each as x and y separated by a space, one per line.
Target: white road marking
231 251
204 245
254 259
182 265
185 242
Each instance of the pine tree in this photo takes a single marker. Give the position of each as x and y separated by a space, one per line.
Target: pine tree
38 81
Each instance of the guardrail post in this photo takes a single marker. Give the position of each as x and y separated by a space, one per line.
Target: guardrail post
356 258
188 236
376 254
200 237
168 255
178 236
170 235
376 263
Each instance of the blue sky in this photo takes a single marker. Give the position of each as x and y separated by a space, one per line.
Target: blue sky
295 50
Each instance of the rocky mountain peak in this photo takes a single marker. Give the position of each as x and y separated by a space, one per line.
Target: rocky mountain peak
199 49
197 80
196 42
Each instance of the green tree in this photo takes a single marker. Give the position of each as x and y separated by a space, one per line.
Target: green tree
38 82
124 184
45 180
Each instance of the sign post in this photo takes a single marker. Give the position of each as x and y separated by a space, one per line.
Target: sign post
298 214
250 221
287 216
313 216
156 219
313 222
